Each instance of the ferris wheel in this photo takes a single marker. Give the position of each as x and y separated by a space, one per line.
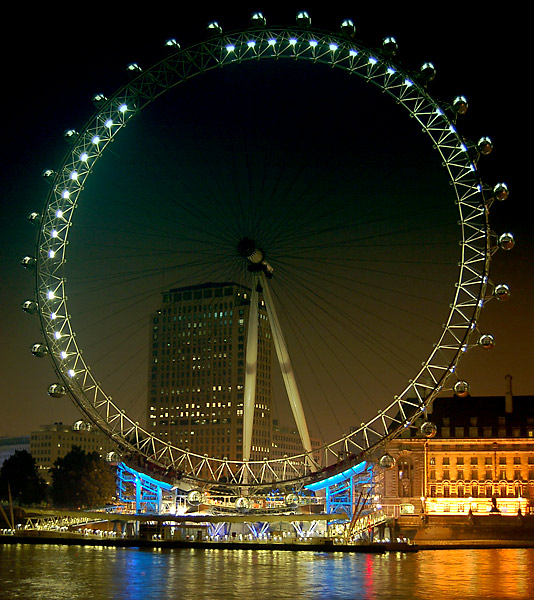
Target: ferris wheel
317 255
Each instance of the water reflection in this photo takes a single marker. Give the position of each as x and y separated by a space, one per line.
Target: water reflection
77 573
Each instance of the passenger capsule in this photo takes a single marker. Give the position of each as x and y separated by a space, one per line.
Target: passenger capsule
39 350
242 503
428 429
49 175
56 390
134 69
214 28
501 292
390 46
28 262
70 135
461 389
29 306
258 20
485 145
34 218
112 457
487 341
386 461
194 497
460 105
506 241
292 500
348 29
99 99
428 72
303 19
172 44
500 191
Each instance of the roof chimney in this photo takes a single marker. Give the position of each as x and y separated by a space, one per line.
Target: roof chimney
508 397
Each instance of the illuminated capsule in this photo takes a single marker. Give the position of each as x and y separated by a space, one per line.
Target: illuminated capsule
99 99
500 191
386 461
34 218
348 28
48 175
81 425
56 390
390 46
460 105
485 145
70 135
172 44
501 292
257 18
134 69
112 457
428 72
291 500
194 497
214 28
39 350
429 429
303 19
487 341
29 306
461 389
242 503
506 241
28 262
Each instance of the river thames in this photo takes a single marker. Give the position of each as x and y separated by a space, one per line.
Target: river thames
97 573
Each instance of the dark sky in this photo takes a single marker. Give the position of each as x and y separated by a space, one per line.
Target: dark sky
59 61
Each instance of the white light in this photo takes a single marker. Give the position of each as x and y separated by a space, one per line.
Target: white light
463 147
372 60
271 42
51 254
408 82
96 139
74 175
123 108
65 194
57 335
230 48
452 128
293 41
71 373
439 111
353 52
313 43
333 47
53 316
50 295
54 233
63 354
251 44
108 124
84 157
59 213
391 70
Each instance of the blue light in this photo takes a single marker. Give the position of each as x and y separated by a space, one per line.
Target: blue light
338 478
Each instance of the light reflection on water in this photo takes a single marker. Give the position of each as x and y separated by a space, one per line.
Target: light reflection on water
75 573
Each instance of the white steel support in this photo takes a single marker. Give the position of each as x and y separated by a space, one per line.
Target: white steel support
250 373
287 372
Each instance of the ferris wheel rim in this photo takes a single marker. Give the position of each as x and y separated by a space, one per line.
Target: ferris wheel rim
114 113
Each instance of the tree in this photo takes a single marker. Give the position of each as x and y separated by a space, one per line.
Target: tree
19 474
82 480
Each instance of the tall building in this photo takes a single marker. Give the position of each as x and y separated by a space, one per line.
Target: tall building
197 371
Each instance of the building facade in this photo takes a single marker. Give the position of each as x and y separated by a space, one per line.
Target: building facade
481 459
56 440
10 444
197 371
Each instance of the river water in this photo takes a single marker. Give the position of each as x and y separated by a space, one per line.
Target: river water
99 573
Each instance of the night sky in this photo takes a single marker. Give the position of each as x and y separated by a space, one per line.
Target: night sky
328 126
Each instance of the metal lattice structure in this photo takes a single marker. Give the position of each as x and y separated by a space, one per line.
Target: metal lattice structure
87 147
